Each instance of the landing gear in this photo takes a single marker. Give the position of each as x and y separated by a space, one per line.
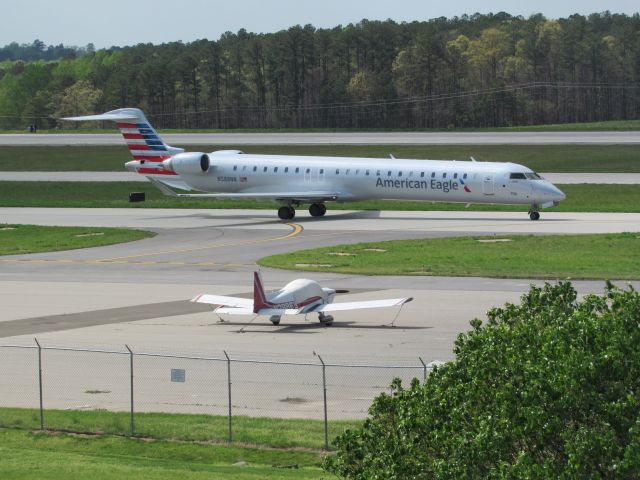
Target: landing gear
286 212
534 215
326 320
317 209
275 319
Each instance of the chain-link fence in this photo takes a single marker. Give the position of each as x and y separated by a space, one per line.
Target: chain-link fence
122 387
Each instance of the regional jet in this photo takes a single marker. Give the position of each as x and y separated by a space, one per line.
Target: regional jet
292 181
299 297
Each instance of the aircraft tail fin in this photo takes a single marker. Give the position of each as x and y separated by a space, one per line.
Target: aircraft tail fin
142 139
259 296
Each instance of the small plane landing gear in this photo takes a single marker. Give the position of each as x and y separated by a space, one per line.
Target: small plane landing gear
534 215
275 319
326 320
286 212
317 209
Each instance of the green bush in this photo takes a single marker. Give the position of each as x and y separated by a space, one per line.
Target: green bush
548 388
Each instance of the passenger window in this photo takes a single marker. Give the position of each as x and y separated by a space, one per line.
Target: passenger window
464 177
308 170
348 170
433 174
275 169
399 174
337 171
421 174
357 171
235 167
444 175
378 173
322 171
297 169
455 175
265 169
389 173
255 168
366 172
286 169
411 173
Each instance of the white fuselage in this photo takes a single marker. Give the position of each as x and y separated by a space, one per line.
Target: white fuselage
372 178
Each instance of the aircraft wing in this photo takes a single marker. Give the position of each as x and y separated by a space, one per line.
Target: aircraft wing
308 196
234 302
265 312
390 302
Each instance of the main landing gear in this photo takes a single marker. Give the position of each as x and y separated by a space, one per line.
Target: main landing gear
317 209
534 215
286 212
275 319
326 320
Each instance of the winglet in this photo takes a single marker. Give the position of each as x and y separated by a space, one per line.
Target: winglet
259 297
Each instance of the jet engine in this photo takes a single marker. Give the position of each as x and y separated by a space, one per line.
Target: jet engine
188 163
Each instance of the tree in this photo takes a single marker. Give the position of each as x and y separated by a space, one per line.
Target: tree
79 99
549 388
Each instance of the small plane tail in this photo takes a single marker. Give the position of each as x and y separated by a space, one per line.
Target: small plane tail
144 143
259 296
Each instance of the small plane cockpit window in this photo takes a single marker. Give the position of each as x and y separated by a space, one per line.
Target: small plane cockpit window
517 176
533 176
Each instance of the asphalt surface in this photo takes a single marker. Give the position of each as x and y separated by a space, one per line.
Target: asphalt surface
137 294
341 138
559 178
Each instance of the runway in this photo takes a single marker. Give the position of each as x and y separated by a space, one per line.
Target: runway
340 138
137 294
559 178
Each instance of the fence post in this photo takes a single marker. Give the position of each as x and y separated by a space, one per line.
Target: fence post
133 426
229 393
424 370
324 392
40 383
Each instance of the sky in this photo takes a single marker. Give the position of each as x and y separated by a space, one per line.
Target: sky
128 22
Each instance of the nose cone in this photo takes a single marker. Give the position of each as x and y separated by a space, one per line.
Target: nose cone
557 195
548 194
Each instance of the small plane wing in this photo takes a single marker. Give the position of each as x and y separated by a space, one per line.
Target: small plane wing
265 312
390 302
224 301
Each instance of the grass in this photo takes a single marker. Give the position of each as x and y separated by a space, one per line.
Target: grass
610 125
262 431
542 158
28 455
580 198
21 239
608 256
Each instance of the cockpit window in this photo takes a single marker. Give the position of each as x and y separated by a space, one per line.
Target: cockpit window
517 176
533 176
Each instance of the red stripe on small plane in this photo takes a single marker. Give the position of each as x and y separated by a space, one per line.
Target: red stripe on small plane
126 125
133 136
155 171
308 301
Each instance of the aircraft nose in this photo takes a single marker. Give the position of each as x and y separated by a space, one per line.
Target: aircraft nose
557 194
547 192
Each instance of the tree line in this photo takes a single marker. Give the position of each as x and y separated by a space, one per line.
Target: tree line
469 71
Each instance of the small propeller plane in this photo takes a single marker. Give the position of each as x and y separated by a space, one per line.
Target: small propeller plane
299 297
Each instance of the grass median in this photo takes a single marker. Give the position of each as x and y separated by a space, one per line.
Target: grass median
580 198
22 239
606 256
542 158
28 455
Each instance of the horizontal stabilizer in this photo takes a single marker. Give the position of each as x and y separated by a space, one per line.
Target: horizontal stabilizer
116 117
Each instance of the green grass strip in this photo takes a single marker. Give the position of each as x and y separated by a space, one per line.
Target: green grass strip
608 256
272 432
542 158
580 198
27 455
22 239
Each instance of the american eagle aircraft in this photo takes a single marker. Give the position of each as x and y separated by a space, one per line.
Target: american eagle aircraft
299 297
296 180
